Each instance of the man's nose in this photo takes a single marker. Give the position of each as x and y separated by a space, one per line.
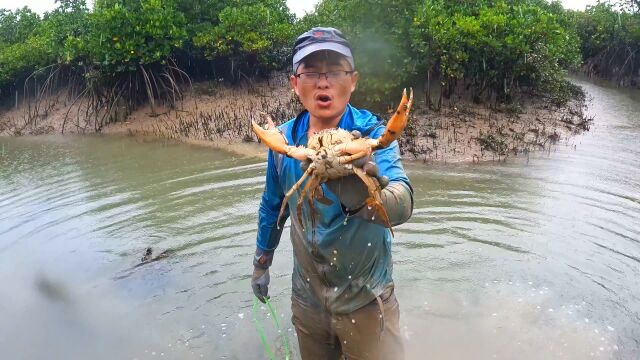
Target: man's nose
323 80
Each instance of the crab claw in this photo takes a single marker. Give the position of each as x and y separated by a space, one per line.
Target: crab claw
379 210
398 121
276 141
270 123
272 137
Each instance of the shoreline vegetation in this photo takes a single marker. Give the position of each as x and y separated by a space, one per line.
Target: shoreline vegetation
489 75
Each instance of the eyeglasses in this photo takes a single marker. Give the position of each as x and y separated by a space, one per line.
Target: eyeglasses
310 78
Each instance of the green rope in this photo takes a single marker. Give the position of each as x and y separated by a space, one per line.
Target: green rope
260 329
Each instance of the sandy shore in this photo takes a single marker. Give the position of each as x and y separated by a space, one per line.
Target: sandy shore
219 116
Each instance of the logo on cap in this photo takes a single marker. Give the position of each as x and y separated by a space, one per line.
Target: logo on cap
319 34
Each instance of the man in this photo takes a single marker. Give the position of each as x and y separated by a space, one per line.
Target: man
343 301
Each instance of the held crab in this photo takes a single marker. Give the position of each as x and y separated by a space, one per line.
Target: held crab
333 153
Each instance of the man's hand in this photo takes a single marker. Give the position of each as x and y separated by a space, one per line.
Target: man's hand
351 190
260 283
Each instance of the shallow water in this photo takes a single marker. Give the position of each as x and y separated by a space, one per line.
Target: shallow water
527 260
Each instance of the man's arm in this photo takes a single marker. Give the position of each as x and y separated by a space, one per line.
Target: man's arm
269 231
397 197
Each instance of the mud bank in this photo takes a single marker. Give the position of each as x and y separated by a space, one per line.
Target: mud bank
219 116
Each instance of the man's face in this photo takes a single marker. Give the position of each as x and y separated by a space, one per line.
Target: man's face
325 99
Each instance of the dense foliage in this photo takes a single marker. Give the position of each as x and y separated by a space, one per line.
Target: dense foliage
485 48
495 47
256 31
118 37
29 42
17 26
610 41
123 35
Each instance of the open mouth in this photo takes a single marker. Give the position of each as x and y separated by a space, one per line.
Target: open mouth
323 100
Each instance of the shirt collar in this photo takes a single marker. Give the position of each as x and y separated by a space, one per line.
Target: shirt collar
301 125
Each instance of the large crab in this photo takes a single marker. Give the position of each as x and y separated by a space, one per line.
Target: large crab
334 153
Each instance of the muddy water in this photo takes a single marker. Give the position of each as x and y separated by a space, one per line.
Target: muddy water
527 260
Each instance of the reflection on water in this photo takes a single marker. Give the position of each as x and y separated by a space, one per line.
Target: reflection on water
517 260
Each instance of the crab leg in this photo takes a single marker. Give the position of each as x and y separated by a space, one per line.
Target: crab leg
398 121
302 195
374 201
349 158
319 195
295 187
315 180
362 145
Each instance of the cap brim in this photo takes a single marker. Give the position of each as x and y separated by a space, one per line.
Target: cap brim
341 49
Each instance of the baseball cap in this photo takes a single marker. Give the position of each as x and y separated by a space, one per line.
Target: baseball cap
321 38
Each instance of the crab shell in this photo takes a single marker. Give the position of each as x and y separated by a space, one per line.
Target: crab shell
327 157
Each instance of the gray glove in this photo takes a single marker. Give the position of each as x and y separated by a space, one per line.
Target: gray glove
351 191
260 283
260 278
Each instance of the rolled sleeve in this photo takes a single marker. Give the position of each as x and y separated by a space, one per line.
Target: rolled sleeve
397 199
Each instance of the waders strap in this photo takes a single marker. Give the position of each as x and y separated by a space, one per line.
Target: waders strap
381 306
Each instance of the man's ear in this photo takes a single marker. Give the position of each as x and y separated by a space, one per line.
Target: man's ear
354 80
293 81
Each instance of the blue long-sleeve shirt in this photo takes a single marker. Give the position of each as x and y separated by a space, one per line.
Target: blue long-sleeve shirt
338 266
